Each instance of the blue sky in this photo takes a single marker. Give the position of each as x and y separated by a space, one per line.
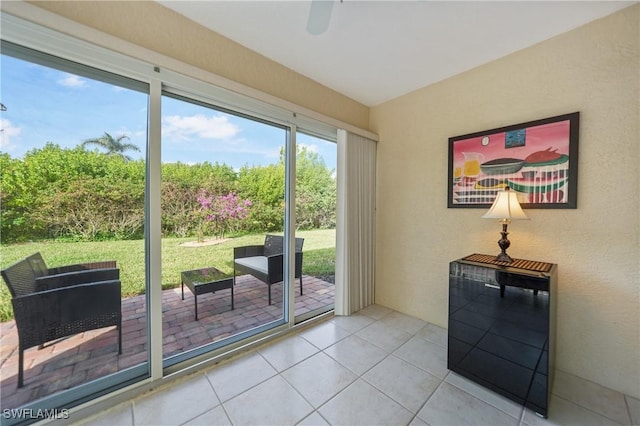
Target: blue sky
47 105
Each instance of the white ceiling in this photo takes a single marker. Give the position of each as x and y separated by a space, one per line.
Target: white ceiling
374 51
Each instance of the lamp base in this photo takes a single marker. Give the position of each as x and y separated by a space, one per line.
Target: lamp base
503 257
504 244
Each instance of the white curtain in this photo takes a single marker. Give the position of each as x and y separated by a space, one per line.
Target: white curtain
355 242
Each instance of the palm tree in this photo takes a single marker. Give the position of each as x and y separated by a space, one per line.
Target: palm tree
114 146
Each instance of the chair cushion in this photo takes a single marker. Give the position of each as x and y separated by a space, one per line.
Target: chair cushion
257 263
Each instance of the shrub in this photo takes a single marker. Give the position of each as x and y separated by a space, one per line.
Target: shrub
72 193
95 209
178 204
221 213
28 185
316 191
264 185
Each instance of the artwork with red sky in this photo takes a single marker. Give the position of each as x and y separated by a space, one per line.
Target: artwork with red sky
535 159
538 138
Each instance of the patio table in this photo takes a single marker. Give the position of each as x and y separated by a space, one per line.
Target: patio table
206 280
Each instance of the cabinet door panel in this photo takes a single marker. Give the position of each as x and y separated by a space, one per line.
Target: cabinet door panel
499 330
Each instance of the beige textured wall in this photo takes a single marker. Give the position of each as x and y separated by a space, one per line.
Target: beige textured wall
155 27
594 69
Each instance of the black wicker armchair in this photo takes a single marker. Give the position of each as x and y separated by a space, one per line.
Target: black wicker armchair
51 303
265 262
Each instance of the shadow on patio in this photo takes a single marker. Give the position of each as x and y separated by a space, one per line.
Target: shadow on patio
87 356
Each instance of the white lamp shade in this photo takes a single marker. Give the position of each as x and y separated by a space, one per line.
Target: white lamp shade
505 206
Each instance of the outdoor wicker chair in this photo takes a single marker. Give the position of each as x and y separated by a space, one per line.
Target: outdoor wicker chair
51 303
265 262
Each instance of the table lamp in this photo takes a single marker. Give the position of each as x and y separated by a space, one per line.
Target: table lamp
505 207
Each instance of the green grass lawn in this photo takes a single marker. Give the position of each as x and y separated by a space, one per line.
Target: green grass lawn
319 258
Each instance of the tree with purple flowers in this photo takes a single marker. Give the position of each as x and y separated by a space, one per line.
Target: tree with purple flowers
219 214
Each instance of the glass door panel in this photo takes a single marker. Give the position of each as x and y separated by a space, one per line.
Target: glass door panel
73 172
316 191
223 194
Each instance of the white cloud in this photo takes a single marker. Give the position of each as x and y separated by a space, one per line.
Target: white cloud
70 80
310 148
7 133
199 126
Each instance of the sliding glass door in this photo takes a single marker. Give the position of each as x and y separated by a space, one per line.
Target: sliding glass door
211 214
316 192
73 174
223 209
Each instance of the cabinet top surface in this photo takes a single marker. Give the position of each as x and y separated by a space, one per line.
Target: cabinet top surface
529 265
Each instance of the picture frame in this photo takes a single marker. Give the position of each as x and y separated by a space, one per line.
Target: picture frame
537 159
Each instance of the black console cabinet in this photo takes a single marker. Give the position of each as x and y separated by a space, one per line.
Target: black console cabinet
502 326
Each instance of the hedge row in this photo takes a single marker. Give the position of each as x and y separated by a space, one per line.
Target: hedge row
77 194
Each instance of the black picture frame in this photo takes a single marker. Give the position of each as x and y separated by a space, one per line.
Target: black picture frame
537 159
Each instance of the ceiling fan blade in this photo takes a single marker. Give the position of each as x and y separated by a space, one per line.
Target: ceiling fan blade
319 16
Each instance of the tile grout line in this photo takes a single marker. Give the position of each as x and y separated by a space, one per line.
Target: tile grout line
335 360
592 411
434 391
427 401
358 376
522 408
624 397
626 402
389 354
224 409
315 410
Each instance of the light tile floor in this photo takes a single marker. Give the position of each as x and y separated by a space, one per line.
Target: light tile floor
378 367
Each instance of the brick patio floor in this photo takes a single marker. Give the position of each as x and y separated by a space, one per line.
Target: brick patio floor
86 356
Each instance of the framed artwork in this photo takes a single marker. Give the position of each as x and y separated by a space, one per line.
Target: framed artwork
538 160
